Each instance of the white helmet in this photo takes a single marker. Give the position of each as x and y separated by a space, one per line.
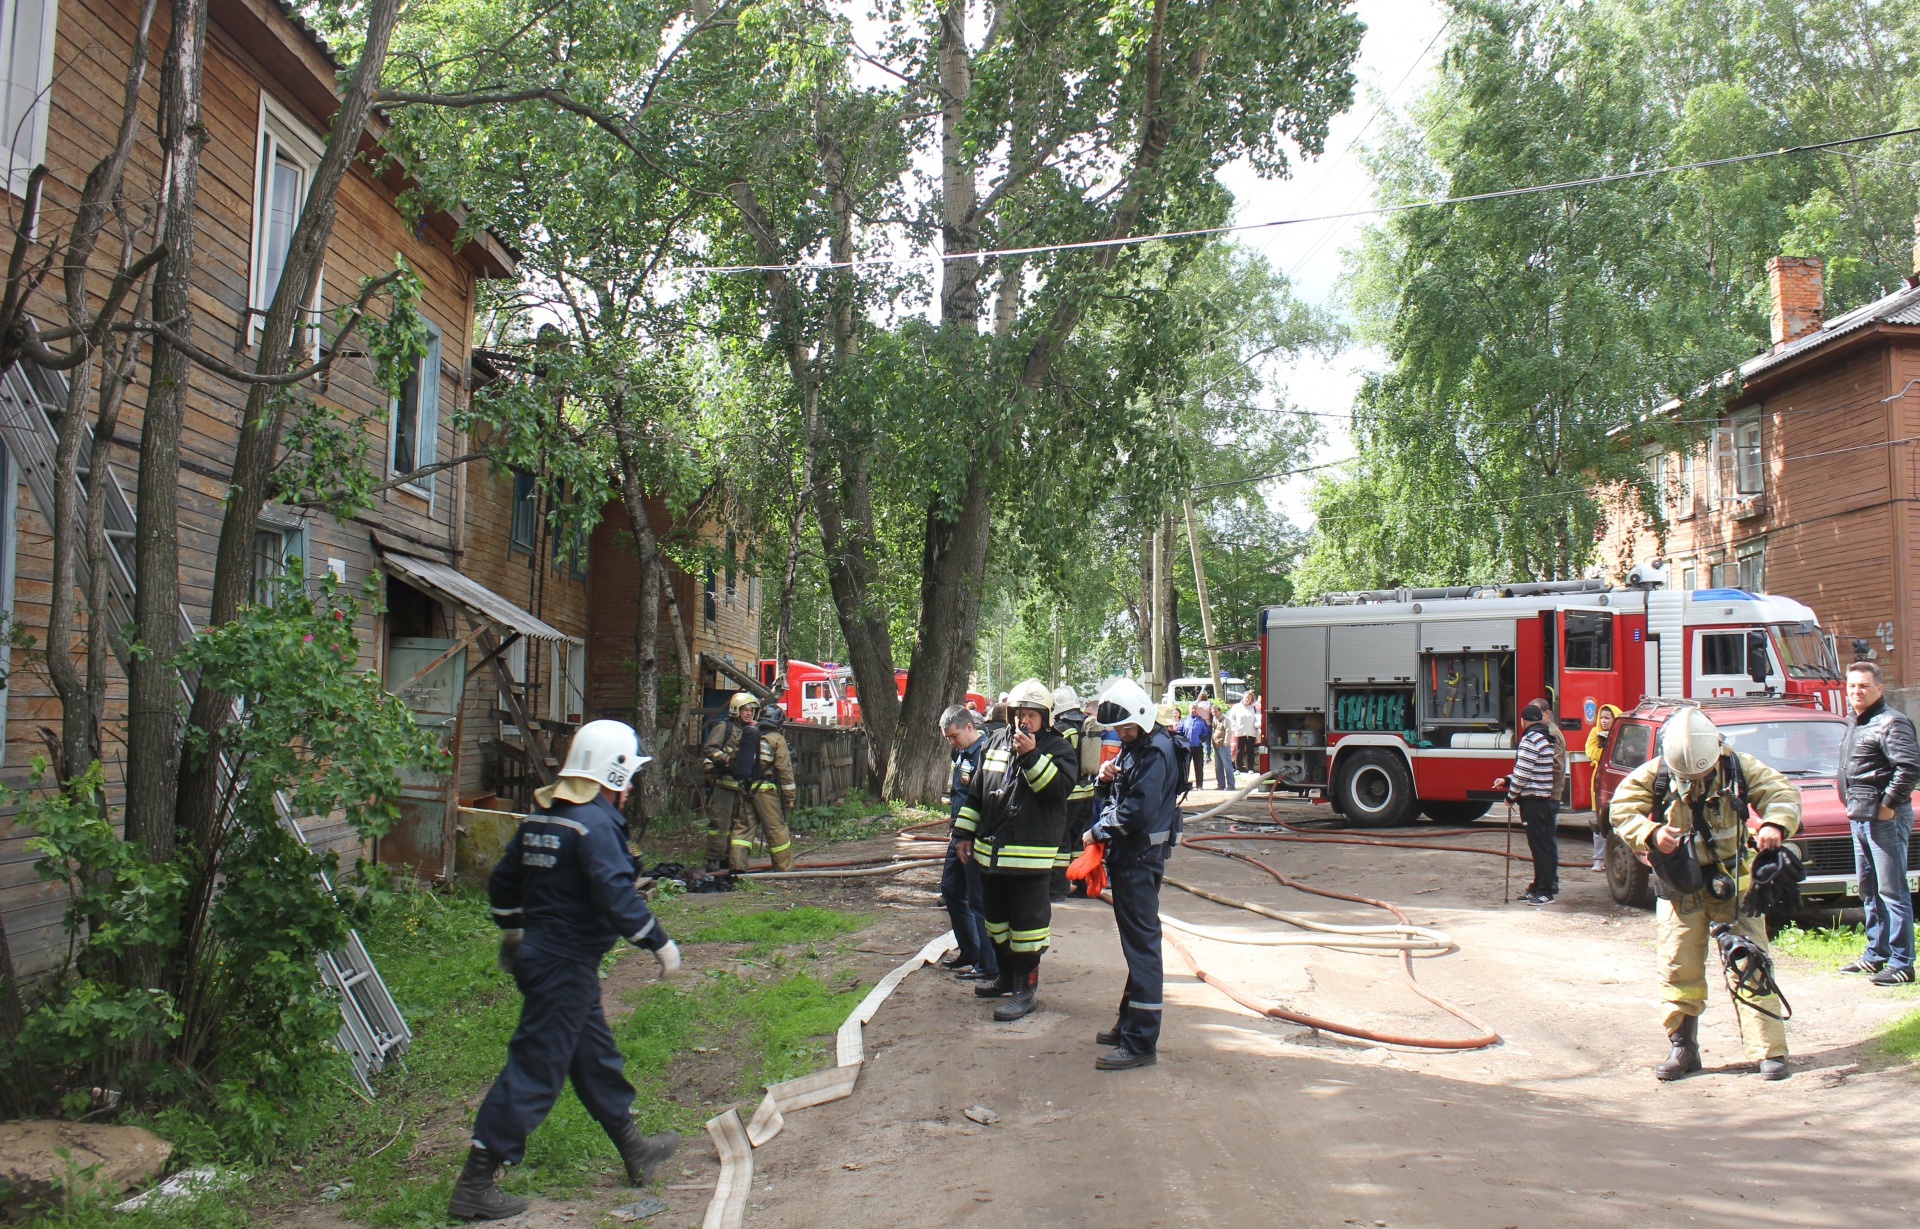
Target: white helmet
1124 702
1065 698
1690 744
1031 693
607 752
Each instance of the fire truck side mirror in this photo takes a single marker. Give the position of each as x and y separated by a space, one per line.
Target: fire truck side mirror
1759 665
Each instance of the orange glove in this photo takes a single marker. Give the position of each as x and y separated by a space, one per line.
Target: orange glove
1091 866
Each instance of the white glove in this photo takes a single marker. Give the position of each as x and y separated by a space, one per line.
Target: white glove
668 954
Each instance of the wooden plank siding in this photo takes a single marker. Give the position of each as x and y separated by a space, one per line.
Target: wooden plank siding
1841 529
252 48
732 634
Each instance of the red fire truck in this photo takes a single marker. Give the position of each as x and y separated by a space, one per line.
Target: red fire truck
974 698
1392 703
815 692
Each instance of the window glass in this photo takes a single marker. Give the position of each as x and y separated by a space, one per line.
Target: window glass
1589 640
406 424
1805 651
1689 578
525 509
1749 571
1722 575
1749 465
284 197
1791 747
1632 745
1723 653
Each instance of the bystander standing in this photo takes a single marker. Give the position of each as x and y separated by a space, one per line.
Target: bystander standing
1879 766
1531 784
1243 726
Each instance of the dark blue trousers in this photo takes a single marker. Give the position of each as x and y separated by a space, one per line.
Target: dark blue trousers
563 1035
960 888
1133 876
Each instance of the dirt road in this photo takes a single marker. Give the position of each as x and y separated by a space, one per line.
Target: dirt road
1250 1121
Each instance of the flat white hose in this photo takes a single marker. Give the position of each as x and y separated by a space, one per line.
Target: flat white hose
1395 937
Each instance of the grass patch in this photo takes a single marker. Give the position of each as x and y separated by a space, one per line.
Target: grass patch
1831 946
437 956
1901 1040
793 924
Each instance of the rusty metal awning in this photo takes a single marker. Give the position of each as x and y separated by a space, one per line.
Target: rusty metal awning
440 581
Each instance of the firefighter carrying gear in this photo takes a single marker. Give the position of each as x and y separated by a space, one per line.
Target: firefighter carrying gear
1070 723
1681 920
754 771
1015 816
753 778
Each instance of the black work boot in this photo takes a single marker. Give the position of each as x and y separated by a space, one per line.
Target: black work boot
643 1153
1120 1058
1775 1068
1685 1059
1109 1037
1020 1002
1003 982
475 1197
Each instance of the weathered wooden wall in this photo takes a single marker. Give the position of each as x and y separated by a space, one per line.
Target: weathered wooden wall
253 48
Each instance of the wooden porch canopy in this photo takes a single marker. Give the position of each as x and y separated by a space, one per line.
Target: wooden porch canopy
495 623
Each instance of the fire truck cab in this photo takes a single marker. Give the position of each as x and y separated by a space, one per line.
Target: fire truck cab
1396 703
815 692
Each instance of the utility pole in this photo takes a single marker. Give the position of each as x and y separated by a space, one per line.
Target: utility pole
1154 681
1206 608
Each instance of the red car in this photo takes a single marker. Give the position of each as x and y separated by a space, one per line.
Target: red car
1788 735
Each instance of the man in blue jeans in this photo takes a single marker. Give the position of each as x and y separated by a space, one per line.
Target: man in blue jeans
959 877
1879 766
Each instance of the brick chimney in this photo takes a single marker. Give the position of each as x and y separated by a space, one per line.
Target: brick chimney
1799 302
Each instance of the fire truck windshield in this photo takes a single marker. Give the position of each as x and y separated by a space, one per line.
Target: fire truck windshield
1805 652
1796 748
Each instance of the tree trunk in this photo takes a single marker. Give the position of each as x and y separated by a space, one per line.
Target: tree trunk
153 725
263 424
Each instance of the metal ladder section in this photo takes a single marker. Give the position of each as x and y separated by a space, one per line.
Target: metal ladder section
31 402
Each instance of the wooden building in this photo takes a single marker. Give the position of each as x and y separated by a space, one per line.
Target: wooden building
1808 482
268 100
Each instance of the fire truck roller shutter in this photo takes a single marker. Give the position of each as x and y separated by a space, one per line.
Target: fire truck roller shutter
1466 635
1378 651
1296 668
1373 787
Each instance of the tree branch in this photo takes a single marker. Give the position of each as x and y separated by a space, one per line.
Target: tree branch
403 479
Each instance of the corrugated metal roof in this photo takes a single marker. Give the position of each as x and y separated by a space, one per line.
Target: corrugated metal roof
470 595
1900 307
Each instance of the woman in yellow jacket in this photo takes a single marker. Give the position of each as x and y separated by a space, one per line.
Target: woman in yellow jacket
1596 747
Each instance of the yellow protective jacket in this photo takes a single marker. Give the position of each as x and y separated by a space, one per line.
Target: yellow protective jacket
1775 800
1597 747
773 766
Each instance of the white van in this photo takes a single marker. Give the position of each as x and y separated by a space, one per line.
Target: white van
1184 691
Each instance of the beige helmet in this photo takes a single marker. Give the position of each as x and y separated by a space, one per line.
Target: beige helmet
1690 744
1030 693
742 699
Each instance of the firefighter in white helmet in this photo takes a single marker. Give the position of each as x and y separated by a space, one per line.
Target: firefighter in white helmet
1011 825
1702 811
563 893
1069 721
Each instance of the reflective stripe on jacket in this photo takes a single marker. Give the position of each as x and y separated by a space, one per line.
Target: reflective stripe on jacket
1016 808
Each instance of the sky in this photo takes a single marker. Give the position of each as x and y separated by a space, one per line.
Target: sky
1403 43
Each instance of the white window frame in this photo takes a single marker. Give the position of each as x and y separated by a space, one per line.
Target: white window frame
1750 565
293 538
426 422
280 135
515 659
1681 488
1689 575
568 693
1657 477
1749 456
26 56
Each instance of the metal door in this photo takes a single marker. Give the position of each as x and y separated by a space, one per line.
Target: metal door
422 838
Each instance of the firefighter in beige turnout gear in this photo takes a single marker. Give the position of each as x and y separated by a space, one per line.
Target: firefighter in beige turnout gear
754 772
1702 779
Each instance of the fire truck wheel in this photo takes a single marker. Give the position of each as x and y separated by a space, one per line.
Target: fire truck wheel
1628 879
1374 789
1454 812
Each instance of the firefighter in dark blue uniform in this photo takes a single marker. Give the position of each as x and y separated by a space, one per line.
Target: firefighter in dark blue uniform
1140 823
563 893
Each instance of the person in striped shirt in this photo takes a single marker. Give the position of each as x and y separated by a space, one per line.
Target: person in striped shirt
1532 784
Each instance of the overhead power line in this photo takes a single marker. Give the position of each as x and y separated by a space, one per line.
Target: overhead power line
1564 185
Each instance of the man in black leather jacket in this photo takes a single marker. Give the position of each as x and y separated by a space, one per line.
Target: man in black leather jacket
1879 766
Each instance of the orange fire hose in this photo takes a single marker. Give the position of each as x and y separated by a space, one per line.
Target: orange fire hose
1485 1038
